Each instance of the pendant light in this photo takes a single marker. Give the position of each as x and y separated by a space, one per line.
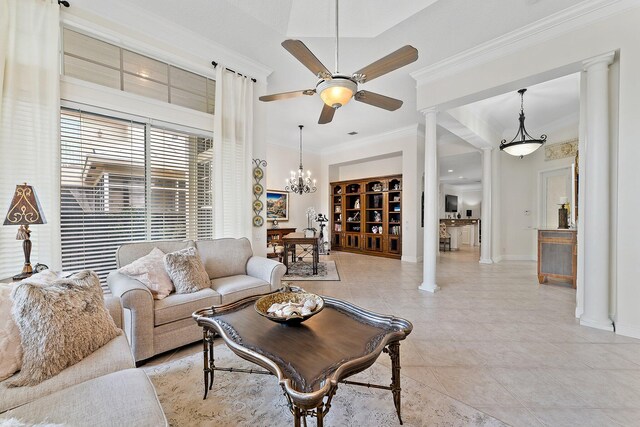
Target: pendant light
301 183
523 143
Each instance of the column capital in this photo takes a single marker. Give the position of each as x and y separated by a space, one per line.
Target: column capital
430 110
605 58
485 149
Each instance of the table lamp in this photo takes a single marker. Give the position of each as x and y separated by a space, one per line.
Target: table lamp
563 220
24 211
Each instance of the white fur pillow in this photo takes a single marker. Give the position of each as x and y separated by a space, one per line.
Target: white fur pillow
60 324
151 272
10 346
187 271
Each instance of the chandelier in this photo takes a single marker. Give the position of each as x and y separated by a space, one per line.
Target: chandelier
523 143
301 183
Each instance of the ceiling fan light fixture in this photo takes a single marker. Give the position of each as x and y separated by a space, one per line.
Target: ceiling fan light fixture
336 92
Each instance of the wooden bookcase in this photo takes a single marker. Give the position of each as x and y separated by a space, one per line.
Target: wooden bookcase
366 216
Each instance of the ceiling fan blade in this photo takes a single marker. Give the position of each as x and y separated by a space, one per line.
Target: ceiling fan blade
286 95
326 115
378 100
302 53
401 57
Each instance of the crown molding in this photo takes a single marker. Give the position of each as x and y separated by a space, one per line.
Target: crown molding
178 37
564 21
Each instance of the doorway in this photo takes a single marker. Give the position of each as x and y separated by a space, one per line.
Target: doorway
555 186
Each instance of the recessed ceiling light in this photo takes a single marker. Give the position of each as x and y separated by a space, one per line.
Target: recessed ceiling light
450 170
352 133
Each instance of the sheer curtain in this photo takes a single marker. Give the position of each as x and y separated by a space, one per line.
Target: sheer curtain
233 143
29 120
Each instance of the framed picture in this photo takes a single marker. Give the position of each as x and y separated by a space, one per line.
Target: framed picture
277 205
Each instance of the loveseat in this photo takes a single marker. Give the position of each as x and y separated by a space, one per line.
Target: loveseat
155 326
103 389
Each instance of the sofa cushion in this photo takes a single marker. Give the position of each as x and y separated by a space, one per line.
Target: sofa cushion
224 257
186 271
10 345
114 356
150 271
181 306
130 252
117 399
60 323
234 288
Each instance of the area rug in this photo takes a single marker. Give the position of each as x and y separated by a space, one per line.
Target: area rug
303 270
238 399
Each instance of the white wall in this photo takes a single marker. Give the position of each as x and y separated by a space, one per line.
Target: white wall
280 162
520 204
471 199
378 167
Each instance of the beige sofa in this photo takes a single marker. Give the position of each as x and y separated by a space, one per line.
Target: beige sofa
156 326
103 389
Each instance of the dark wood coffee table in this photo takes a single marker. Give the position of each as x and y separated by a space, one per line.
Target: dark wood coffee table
309 359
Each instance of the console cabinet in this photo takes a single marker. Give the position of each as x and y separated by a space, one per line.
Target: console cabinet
557 255
366 216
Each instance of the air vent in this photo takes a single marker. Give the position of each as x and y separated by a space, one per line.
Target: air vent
352 133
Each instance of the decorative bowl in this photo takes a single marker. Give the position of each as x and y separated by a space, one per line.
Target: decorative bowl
263 304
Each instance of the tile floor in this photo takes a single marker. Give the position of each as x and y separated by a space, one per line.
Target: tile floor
496 340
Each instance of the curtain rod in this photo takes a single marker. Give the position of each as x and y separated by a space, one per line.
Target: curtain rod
215 64
65 3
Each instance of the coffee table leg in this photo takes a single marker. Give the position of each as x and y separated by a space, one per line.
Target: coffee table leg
212 364
205 354
394 354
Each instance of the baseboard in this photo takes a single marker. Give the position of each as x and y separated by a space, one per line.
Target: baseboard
627 330
411 259
486 261
497 259
518 258
605 326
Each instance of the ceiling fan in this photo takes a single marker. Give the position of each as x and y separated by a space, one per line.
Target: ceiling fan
337 89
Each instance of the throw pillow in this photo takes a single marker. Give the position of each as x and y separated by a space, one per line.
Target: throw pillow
151 272
60 323
10 346
187 271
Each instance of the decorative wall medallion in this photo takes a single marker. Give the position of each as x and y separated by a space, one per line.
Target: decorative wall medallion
258 190
561 150
258 173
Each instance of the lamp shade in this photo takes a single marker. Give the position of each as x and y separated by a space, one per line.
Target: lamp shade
25 207
336 92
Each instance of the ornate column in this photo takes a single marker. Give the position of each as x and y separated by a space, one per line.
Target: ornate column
596 183
485 244
431 220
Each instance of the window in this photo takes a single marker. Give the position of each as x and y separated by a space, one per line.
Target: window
124 181
99 62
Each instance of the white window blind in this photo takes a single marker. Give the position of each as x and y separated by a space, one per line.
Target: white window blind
102 189
124 181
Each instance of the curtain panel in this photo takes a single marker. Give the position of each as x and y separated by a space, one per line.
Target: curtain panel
29 123
233 145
